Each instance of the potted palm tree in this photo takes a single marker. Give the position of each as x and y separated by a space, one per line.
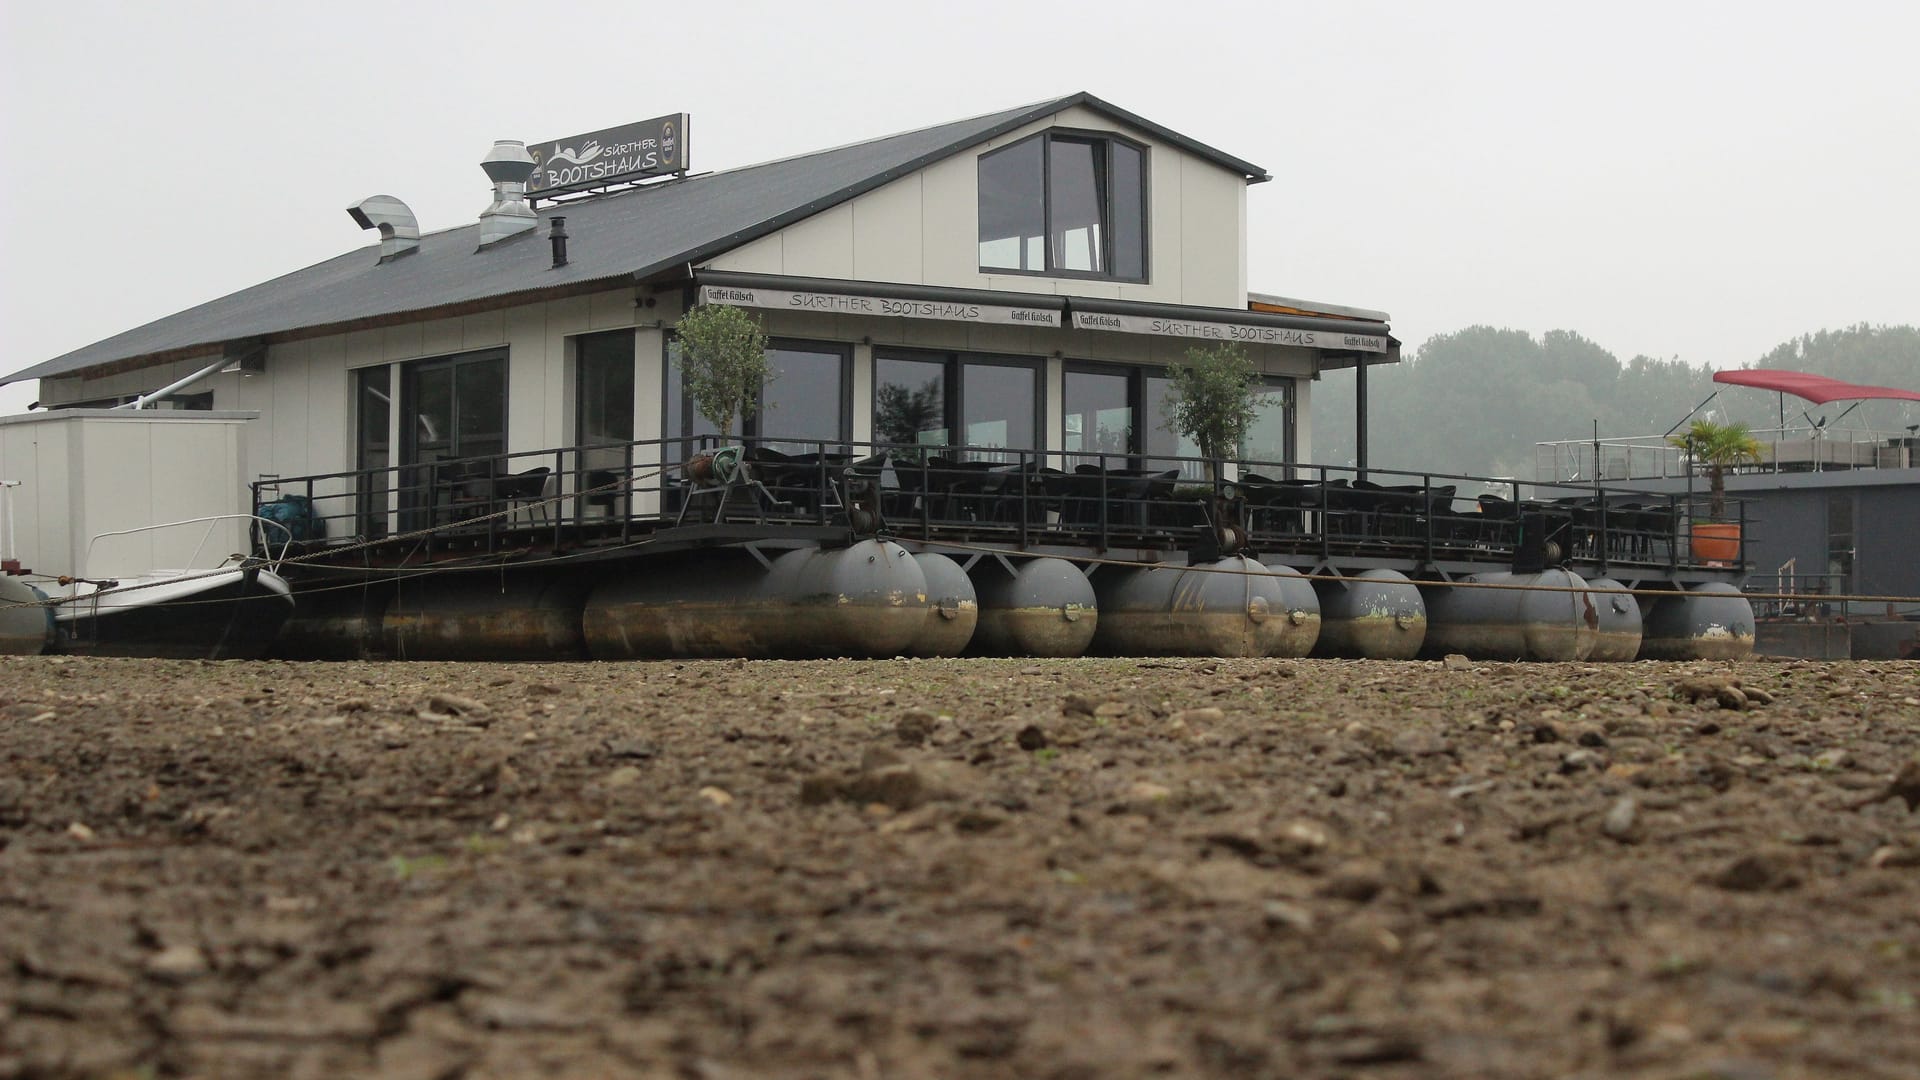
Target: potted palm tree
1718 447
723 364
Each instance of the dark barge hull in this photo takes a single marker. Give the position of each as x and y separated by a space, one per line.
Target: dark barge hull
1029 562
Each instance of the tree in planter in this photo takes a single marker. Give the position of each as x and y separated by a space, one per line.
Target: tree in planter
723 363
1719 447
1212 400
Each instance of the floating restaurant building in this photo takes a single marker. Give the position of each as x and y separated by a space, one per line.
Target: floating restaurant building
963 445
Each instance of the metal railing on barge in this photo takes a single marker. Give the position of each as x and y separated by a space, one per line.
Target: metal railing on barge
582 497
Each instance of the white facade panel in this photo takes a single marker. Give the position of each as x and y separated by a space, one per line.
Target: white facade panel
820 246
887 235
483 330
405 342
289 378
762 256
950 224
1212 206
441 337
923 229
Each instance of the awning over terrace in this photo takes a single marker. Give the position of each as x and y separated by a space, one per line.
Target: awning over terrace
1336 338
1815 388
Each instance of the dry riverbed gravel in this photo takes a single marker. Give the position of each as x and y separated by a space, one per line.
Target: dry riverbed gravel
979 868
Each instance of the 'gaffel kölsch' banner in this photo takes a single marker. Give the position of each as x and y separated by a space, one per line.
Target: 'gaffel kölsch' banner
653 147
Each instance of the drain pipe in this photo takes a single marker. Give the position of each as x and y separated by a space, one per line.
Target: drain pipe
174 387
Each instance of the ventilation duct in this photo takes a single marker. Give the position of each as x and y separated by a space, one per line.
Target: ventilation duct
399 232
509 166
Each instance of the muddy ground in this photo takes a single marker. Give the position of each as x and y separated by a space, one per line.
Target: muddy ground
1088 868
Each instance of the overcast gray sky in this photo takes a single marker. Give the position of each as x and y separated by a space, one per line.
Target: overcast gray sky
1692 180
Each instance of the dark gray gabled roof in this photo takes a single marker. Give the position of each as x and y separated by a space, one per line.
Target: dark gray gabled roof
636 234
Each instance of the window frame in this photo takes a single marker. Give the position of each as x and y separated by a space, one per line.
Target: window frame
577 347
408 402
674 429
1138 377
953 387
1104 140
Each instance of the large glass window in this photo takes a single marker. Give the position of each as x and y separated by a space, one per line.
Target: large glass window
1101 403
457 407
1161 445
452 407
1013 208
803 405
989 403
1066 205
910 402
1099 412
603 388
1271 437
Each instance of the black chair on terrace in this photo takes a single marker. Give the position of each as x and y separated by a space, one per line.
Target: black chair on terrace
1035 494
973 489
605 490
466 489
1499 522
1081 501
914 494
528 489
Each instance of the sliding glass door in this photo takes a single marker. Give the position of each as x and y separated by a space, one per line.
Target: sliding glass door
453 408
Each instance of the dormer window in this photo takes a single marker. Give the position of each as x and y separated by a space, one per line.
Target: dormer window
1065 204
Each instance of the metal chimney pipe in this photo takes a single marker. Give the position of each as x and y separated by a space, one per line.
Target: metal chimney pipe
558 238
508 165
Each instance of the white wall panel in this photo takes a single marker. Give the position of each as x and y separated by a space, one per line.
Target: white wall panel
535 391
950 224
820 246
1212 209
763 256
610 310
887 233
404 342
439 338
284 450
483 330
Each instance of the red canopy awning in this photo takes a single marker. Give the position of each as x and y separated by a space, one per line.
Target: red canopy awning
1815 388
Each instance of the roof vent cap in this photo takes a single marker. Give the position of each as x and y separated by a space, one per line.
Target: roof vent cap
399 232
509 166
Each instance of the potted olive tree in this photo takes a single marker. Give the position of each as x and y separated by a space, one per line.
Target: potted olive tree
723 364
1211 399
1718 447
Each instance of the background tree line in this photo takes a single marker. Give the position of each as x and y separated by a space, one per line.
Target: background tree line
1477 400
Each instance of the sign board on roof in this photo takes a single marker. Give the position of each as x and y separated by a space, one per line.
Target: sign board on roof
653 147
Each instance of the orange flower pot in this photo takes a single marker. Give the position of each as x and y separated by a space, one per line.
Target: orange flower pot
1716 543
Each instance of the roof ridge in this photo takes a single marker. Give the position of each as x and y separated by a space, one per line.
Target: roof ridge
1054 103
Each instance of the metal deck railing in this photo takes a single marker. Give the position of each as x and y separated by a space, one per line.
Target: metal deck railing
1789 449
581 496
